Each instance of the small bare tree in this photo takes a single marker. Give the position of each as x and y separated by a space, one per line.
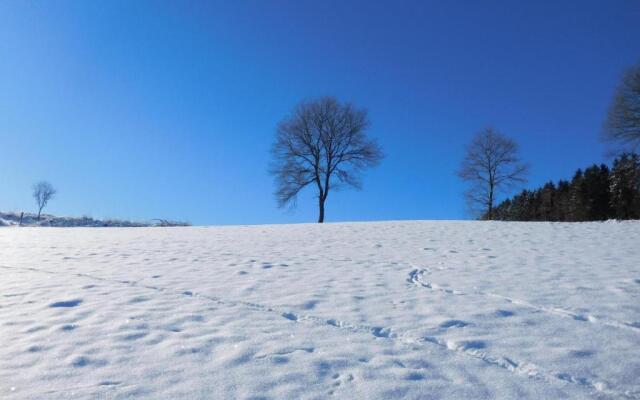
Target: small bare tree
491 164
622 126
43 191
323 139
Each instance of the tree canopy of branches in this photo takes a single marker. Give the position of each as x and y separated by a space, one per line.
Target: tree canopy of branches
491 164
43 192
323 143
595 194
622 126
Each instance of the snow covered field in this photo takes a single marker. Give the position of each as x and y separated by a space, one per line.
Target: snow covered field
429 310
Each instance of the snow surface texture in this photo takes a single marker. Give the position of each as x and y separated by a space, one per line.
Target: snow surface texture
429 310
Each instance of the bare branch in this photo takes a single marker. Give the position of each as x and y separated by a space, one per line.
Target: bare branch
622 126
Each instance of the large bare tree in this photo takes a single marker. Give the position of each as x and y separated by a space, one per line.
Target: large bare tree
491 164
622 126
43 191
323 143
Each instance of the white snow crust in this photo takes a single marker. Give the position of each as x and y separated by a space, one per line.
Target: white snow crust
387 310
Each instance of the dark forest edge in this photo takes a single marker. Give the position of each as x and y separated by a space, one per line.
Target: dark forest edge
598 193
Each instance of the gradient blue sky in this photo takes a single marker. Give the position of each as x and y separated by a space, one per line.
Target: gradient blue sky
167 109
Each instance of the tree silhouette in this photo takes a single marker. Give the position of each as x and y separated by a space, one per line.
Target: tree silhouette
324 144
491 164
43 192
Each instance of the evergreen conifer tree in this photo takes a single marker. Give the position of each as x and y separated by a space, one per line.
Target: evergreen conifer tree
624 186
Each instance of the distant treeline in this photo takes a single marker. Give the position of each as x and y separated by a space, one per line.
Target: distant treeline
597 193
29 219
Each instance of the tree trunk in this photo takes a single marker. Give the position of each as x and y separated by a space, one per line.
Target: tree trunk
39 212
321 206
490 213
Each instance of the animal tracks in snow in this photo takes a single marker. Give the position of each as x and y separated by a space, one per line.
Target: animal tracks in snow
416 277
476 349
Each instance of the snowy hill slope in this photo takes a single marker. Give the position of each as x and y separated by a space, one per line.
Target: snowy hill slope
442 310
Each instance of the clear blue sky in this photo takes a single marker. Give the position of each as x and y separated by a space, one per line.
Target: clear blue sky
168 109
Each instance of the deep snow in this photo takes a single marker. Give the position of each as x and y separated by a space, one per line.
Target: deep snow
442 310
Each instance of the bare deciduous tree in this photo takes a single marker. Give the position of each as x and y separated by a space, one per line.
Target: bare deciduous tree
622 126
43 191
323 139
491 164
